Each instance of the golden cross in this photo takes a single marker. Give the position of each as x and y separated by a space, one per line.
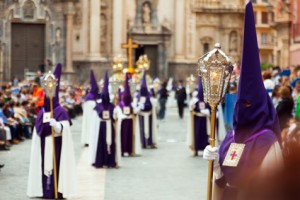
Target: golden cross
129 46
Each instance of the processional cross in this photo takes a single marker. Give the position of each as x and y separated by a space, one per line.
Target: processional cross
129 45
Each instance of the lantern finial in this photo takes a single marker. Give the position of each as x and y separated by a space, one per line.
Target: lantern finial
218 46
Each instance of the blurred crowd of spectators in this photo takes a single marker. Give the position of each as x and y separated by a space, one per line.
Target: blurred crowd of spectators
20 103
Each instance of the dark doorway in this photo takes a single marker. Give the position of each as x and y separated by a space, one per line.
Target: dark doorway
152 52
27 47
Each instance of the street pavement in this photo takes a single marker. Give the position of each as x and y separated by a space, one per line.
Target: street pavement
166 173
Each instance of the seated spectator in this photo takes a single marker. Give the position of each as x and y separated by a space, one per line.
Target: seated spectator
20 115
9 121
38 96
6 129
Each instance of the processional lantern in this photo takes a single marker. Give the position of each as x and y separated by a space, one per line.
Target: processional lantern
114 82
133 82
117 64
191 82
215 69
49 84
143 63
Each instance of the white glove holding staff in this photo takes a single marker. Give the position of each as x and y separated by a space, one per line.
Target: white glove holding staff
211 153
56 125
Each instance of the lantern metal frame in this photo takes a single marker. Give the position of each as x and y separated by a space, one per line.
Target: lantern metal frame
133 82
115 83
215 69
49 84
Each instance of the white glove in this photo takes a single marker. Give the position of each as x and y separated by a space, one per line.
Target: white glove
211 153
141 106
205 112
56 125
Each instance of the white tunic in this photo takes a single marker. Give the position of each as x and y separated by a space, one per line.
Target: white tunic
67 184
90 122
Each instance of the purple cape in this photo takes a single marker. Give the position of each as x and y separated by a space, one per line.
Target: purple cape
59 113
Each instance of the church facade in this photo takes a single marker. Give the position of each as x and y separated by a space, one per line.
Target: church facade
87 34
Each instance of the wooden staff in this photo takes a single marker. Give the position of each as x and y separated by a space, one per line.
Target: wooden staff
212 144
192 124
54 156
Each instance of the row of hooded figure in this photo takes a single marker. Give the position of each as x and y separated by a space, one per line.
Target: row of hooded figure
113 131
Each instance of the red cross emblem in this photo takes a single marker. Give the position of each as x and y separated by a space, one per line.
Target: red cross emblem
233 155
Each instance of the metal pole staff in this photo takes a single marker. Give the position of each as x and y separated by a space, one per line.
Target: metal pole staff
54 156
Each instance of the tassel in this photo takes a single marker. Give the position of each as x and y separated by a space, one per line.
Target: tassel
48 182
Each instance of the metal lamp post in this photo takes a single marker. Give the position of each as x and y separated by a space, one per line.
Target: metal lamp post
215 69
49 85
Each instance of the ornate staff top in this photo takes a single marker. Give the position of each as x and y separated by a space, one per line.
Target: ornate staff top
49 84
215 68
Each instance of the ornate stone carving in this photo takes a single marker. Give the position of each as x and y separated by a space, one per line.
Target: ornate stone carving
146 17
28 9
78 16
58 36
146 13
233 43
206 40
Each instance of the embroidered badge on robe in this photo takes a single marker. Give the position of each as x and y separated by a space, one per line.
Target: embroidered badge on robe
46 117
234 154
126 110
105 114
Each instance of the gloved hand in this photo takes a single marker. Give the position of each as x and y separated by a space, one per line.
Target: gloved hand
211 153
141 106
205 112
56 125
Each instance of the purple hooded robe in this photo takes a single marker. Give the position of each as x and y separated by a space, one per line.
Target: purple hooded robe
106 154
255 119
200 129
44 129
127 144
144 93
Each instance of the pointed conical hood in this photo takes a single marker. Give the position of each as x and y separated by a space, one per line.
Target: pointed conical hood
254 110
200 90
126 94
93 93
93 82
57 74
144 89
104 92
